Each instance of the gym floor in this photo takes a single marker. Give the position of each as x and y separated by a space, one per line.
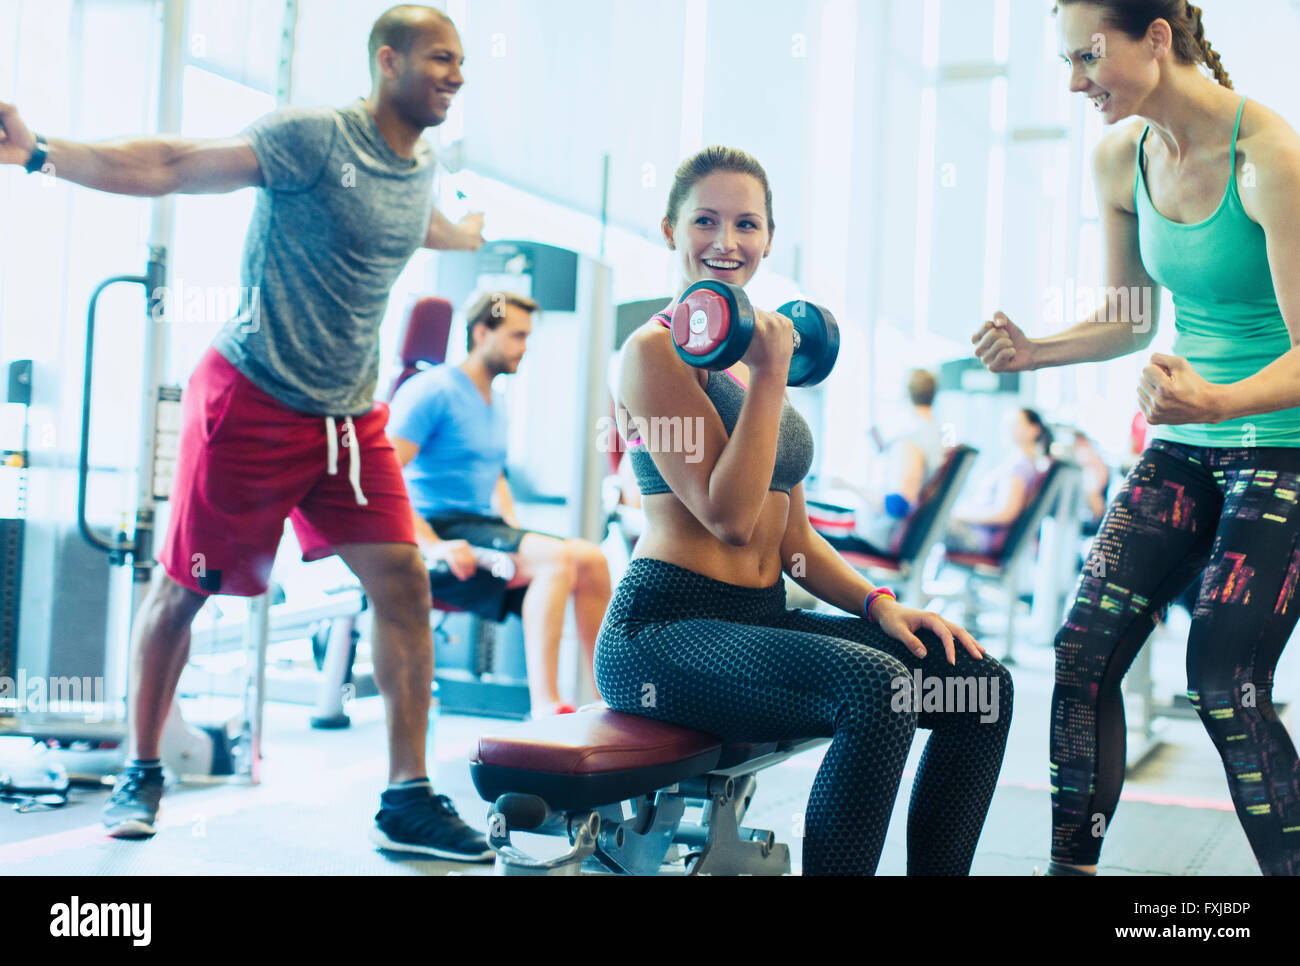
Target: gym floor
311 813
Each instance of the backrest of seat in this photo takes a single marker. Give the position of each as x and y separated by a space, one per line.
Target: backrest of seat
402 376
423 341
1041 497
938 497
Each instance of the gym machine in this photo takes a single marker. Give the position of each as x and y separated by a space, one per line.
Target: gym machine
73 589
89 604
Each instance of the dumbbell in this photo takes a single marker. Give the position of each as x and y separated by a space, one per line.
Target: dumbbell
714 323
499 564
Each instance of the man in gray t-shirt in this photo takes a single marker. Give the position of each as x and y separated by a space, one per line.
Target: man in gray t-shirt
340 217
288 387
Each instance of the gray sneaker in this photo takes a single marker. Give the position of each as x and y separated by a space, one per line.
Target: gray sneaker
132 808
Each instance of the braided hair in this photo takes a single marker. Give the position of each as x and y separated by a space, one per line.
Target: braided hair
1185 19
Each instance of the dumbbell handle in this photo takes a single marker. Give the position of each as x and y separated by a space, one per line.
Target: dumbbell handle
497 562
794 332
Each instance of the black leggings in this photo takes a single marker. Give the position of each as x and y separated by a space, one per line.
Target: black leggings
733 662
1234 514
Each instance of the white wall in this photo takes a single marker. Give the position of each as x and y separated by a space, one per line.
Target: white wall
1257 43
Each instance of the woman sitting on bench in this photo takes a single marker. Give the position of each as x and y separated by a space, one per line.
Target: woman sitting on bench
982 525
698 633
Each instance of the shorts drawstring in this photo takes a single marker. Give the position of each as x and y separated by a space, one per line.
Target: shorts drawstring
331 447
332 454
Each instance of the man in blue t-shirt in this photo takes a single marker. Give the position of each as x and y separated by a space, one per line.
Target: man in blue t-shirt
907 464
450 436
279 417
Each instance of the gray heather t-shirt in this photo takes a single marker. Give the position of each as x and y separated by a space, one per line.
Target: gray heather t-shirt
337 219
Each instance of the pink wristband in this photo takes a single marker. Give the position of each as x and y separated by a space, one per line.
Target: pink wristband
873 596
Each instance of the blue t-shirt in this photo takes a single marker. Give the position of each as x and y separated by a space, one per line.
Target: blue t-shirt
462 441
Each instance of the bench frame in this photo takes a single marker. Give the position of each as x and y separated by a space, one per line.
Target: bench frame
642 835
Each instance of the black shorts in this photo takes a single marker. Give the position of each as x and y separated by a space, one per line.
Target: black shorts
483 594
490 533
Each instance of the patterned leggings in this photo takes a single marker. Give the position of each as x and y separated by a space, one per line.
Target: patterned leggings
733 662
1234 514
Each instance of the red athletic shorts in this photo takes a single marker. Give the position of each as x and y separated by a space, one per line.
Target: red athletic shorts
246 462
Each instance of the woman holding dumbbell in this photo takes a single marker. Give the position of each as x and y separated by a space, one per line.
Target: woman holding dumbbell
1215 491
698 633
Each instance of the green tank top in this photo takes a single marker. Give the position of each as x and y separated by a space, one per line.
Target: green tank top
1226 315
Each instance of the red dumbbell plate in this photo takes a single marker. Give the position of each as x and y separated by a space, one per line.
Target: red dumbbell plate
701 322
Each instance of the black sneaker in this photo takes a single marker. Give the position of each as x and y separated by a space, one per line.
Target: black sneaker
132 808
416 820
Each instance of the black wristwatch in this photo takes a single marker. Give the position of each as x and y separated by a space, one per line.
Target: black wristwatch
37 160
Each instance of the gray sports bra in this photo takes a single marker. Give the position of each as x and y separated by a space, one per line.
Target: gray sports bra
794 444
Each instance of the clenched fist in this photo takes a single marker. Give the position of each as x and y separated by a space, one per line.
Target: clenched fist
472 226
457 554
772 345
16 142
1171 392
1002 347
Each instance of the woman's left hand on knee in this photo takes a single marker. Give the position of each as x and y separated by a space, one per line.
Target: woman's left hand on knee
901 623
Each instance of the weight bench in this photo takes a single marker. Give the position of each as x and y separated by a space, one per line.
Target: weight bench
618 787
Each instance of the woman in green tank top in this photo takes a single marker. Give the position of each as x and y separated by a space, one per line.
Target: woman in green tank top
1201 197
